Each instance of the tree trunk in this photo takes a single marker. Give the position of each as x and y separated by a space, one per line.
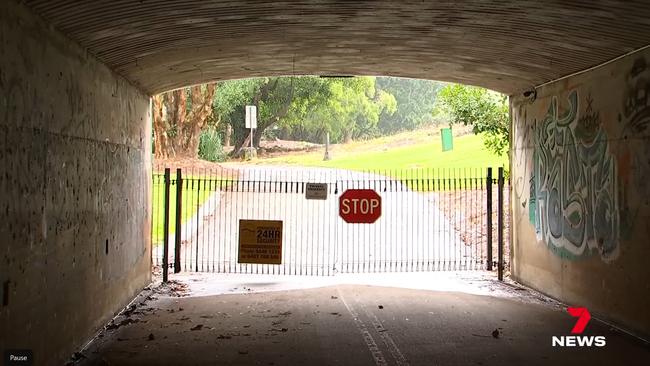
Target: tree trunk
347 136
228 136
176 130
162 147
263 95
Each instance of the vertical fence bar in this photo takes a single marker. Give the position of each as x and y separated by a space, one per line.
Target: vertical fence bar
201 204
455 225
177 232
448 222
166 228
500 223
429 240
488 189
198 203
154 216
186 257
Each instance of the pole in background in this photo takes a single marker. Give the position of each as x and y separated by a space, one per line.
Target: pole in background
178 231
327 147
251 123
165 263
488 188
500 223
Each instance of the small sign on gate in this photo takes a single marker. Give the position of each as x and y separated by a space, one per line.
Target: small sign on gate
260 241
316 191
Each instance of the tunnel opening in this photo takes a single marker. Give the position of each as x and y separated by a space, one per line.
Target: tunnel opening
76 80
435 212
415 220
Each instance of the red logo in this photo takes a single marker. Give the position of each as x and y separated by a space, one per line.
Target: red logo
583 318
579 340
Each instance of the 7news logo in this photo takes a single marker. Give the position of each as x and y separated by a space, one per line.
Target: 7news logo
577 340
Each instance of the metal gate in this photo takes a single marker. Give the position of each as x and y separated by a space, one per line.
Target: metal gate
432 219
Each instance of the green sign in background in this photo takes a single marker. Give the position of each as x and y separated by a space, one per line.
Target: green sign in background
447 139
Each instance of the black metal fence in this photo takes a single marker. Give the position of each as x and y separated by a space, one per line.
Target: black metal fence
432 219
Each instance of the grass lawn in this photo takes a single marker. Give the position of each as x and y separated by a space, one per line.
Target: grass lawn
390 155
374 155
192 200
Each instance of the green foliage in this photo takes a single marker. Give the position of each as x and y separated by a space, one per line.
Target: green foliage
210 147
192 198
304 108
280 101
351 112
415 99
307 108
485 110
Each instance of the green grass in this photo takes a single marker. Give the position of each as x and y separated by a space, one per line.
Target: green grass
468 152
407 156
416 158
193 198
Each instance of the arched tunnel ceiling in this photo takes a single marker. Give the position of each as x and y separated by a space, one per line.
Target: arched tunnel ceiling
512 46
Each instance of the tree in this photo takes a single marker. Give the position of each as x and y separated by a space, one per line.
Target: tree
485 110
302 108
277 99
415 100
349 110
179 117
356 105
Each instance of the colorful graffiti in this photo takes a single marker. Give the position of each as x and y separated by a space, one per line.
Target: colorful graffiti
573 198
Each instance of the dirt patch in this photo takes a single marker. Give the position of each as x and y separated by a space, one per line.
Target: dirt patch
269 149
273 148
173 288
191 167
286 145
467 211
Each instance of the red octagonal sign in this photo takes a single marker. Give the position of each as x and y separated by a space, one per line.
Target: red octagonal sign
360 206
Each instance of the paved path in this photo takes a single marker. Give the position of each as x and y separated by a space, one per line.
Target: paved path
411 235
353 323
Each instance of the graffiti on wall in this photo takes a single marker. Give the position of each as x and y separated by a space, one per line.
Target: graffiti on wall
573 198
634 157
522 133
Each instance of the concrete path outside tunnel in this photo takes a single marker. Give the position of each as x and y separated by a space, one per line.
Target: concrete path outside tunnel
353 324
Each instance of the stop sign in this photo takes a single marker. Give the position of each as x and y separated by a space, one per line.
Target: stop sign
360 206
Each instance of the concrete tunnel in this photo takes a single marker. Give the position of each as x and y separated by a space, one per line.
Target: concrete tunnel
75 135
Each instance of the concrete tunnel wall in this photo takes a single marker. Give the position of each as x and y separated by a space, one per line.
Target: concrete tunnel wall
581 190
75 154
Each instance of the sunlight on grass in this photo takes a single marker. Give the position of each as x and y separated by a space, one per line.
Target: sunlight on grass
468 152
192 199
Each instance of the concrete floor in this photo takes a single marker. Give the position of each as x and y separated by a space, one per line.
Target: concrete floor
255 320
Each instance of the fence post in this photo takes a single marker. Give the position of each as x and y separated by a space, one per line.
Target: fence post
488 187
198 206
500 223
178 231
165 263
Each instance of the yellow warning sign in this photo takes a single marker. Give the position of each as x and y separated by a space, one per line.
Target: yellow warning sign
260 241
